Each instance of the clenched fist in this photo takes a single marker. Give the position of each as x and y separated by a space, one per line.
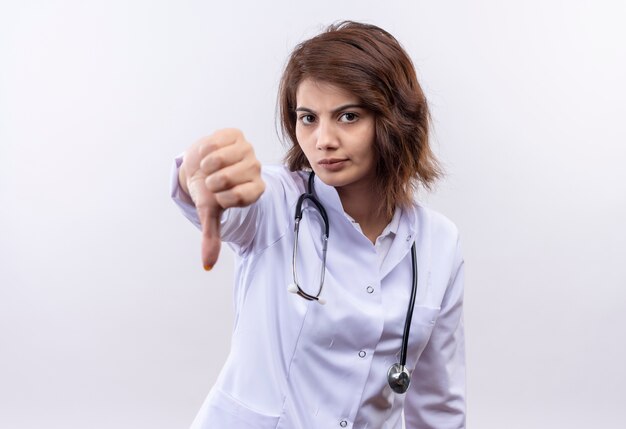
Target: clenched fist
218 172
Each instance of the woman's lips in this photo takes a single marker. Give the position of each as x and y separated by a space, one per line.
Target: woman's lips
332 164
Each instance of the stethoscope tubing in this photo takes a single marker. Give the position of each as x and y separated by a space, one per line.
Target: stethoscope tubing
409 314
298 217
398 376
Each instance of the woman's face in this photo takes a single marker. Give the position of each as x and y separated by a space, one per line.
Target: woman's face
336 135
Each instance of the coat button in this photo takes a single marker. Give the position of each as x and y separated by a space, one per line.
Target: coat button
362 353
343 423
369 289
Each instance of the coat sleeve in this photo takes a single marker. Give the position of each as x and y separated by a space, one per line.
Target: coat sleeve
242 227
181 199
436 396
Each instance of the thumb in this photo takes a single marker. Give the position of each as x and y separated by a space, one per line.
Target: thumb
209 214
211 241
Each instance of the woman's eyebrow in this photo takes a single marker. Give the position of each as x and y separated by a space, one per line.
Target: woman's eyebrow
337 110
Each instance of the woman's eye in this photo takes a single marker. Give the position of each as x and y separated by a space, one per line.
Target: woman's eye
348 117
307 119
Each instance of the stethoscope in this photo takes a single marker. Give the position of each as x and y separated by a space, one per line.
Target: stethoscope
398 376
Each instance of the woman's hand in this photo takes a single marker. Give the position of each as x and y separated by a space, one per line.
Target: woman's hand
218 172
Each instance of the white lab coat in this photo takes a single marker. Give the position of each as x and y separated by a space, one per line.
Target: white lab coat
296 364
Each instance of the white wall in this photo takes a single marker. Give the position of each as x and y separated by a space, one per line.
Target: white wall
107 319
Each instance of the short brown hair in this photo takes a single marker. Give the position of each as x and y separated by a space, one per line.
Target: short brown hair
369 62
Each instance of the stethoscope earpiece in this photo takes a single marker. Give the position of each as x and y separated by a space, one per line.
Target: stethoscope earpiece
293 288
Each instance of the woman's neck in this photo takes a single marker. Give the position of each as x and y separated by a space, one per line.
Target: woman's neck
365 209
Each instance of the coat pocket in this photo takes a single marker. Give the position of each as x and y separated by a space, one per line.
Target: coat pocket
422 324
221 410
426 316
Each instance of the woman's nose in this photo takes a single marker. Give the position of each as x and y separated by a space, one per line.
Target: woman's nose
326 136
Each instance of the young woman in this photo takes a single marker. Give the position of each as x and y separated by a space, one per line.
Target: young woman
348 292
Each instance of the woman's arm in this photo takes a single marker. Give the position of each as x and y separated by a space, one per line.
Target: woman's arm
219 172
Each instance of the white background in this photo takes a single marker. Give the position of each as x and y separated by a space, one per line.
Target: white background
107 319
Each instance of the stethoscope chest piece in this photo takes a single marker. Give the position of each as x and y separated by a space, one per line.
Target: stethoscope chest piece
398 378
